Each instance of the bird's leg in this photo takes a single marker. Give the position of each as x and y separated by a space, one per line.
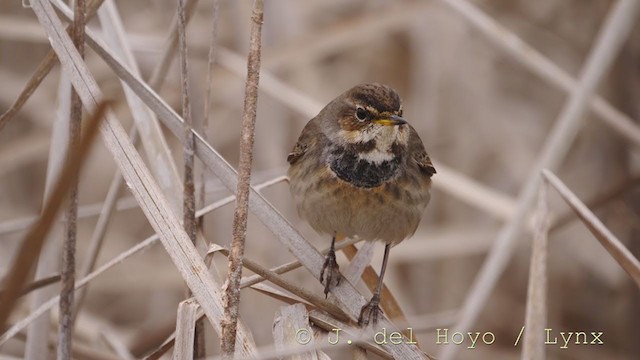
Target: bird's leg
330 264
371 312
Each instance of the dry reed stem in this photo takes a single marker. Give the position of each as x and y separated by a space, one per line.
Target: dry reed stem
610 242
185 330
188 194
545 68
615 30
189 203
536 310
152 201
68 272
33 241
40 73
289 321
247 135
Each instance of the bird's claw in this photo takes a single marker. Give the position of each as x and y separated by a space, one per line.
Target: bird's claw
333 272
370 313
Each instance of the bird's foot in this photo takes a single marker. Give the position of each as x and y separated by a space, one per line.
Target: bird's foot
370 313
333 272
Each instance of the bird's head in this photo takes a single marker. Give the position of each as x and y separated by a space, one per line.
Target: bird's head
368 114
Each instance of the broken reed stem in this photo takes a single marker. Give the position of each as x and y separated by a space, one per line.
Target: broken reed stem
232 292
41 72
188 200
32 244
68 272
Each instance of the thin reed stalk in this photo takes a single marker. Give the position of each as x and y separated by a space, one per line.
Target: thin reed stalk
232 290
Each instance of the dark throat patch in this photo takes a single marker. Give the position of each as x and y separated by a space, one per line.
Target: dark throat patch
362 173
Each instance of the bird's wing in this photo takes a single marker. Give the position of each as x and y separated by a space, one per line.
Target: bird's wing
419 154
304 142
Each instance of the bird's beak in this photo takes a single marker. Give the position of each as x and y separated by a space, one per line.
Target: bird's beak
393 120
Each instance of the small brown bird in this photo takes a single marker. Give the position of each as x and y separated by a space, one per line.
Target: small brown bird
359 169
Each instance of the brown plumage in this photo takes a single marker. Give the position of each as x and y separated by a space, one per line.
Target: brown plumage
359 169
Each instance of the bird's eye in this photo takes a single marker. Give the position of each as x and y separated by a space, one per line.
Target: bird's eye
361 113
400 113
